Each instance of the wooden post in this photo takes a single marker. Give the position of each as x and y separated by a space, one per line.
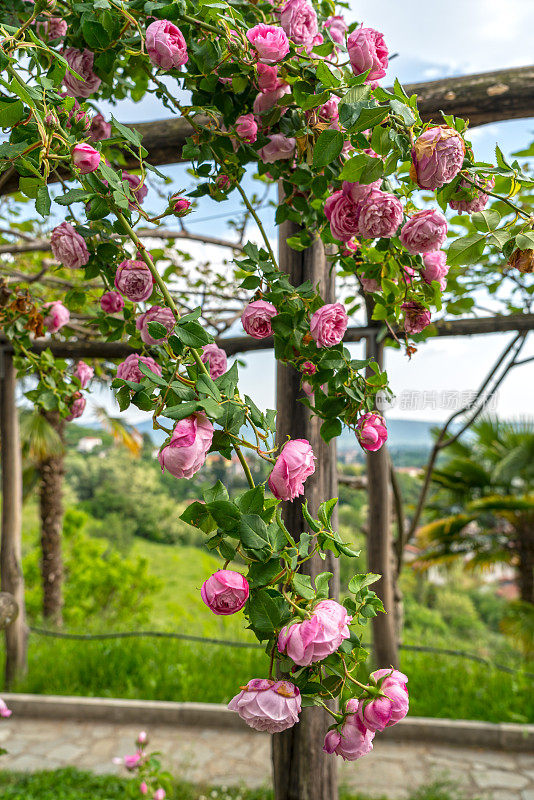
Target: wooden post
380 543
11 577
51 472
302 771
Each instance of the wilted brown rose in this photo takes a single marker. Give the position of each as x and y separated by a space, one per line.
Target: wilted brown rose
523 260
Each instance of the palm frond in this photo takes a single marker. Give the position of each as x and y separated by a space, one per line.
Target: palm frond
123 434
39 439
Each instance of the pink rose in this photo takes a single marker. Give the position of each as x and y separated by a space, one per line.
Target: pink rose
134 280
329 111
328 324
354 740
394 686
5 712
293 466
425 231
299 21
380 215
186 451
359 192
350 248
138 189
84 373
266 100
51 28
159 794
435 267
256 319
81 62
159 314
370 284
216 359
111 302
143 788
131 762
99 129
343 214
371 431
128 370
437 157
308 368
267 705
77 407
180 205
225 592
269 41
367 51
279 147
68 246
337 28
85 157
57 316
316 638
247 128
268 79
165 45
417 317
480 199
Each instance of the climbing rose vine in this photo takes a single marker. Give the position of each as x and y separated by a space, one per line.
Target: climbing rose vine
294 91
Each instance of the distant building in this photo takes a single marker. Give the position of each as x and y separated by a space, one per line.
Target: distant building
88 443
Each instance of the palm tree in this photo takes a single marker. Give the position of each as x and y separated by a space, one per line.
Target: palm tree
484 502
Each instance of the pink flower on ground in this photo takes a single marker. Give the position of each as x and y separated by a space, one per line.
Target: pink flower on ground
129 370
180 205
343 214
186 451
247 128
85 157
268 79
299 20
138 189
316 638
480 200
380 215
417 317
368 51
425 231
165 45
111 302
99 128
256 319
84 373
267 705
81 62
278 148
371 431
293 466
354 740
143 788
225 592
134 280
269 41
77 407
57 316
159 314
308 368
266 100
394 686
437 157
159 794
435 267
68 246
51 28
328 324
370 284
5 712
337 28
216 356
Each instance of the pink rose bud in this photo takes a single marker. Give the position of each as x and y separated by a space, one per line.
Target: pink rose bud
266 100
394 686
137 188
435 267
437 157
308 368
225 592
480 199
247 128
328 324
269 41
77 407
268 79
316 638
354 740
186 451
142 738
256 319
165 45
155 314
223 182
278 148
425 231
380 215
128 370
81 62
84 373
99 128
111 302
266 705
85 157
417 317
299 21
57 316
5 712
180 205
343 214
337 28
134 280
51 28
216 359
367 51
293 466
350 248
143 788
371 431
159 794
68 246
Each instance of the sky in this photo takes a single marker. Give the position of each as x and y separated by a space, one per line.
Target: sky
433 40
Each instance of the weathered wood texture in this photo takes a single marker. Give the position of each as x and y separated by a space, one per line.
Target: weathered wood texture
51 472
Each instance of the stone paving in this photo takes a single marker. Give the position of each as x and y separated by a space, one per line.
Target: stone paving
230 757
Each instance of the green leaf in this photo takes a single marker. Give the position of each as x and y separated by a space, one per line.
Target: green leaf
322 583
331 428
30 186
217 492
157 379
198 515
251 502
42 201
525 240
327 77
303 586
205 385
260 574
327 148
11 113
73 196
268 611
225 514
359 582
129 134
182 410
466 250
326 510
486 220
193 335
254 535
